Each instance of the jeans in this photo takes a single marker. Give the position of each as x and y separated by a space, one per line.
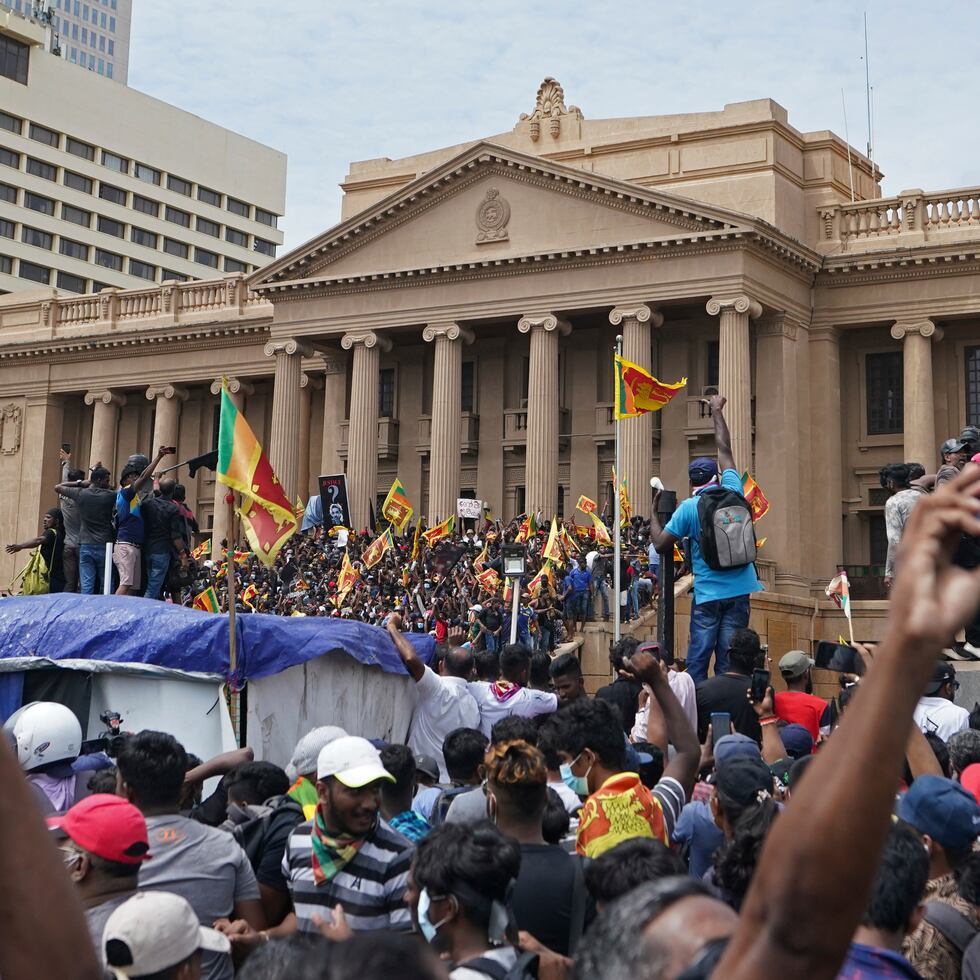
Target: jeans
491 642
544 638
712 627
91 568
157 567
578 604
634 599
601 588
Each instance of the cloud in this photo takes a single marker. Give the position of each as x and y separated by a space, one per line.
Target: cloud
329 82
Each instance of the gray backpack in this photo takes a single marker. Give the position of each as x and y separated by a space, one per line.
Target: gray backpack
727 531
961 931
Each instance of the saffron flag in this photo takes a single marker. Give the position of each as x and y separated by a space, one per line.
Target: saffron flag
754 497
552 549
415 541
586 505
376 549
207 601
489 580
638 392
440 531
249 594
839 591
204 548
268 517
601 532
396 507
345 580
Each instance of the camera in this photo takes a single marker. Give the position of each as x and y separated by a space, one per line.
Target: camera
109 741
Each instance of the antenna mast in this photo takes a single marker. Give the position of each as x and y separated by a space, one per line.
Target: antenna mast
867 86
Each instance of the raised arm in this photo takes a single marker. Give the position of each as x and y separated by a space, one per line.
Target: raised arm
723 438
414 666
803 875
662 540
148 472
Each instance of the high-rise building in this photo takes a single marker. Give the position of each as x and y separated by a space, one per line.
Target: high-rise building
92 34
101 185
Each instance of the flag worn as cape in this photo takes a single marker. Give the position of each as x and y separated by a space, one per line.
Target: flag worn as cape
586 505
396 507
440 531
206 601
638 392
754 496
376 549
268 517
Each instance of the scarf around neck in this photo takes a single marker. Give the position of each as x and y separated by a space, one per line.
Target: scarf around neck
331 854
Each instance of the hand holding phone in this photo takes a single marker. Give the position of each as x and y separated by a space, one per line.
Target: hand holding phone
721 725
759 685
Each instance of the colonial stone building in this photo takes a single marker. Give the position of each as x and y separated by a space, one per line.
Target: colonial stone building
456 329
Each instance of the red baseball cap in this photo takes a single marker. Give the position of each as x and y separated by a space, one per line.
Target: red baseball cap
108 827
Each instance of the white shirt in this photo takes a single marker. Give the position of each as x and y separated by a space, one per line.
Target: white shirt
590 558
444 704
941 716
524 703
682 684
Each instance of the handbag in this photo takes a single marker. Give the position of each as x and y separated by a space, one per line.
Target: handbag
35 577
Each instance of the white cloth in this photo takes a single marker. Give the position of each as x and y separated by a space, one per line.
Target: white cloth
941 716
525 703
590 558
682 684
568 796
444 704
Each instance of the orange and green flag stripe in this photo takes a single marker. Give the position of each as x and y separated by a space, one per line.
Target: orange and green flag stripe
207 601
638 391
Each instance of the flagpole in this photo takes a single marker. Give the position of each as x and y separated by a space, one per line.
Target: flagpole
232 590
618 349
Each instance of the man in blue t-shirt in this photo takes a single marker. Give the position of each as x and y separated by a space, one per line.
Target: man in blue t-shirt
721 598
578 585
126 552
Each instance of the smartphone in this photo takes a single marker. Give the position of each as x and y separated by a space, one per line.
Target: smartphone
171 449
839 657
721 725
759 685
66 447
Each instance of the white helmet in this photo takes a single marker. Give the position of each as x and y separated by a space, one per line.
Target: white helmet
44 732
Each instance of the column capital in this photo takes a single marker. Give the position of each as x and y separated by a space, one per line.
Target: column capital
288 345
739 302
167 391
777 324
544 321
639 312
451 331
235 386
334 364
924 327
369 338
105 396
310 381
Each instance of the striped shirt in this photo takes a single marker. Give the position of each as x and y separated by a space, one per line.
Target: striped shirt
371 887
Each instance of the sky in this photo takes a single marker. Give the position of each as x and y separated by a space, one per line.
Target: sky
329 82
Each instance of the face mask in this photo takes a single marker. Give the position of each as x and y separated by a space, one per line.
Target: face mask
428 929
577 784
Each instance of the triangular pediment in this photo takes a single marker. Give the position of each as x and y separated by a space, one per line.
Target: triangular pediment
491 204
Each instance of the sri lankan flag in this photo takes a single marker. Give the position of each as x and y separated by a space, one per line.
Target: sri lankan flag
203 549
345 580
396 507
269 519
249 594
542 578
586 504
552 549
207 601
638 392
754 497
601 532
625 509
376 549
567 542
489 581
440 531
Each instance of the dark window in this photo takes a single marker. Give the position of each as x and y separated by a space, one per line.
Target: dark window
38 203
78 182
147 174
972 385
11 123
172 247
206 258
711 363
76 215
35 237
386 392
467 390
206 227
178 185
115 194
145 205
109 227
74 284
209 196
176 276
266 248
36 273
6 228
520 495
236 237
265 217
883 378
13 63
237 207
113 162
877 539
77 250
6 264
9 158
142 269
233 265
41 169
178 217
8 193
44 135
108 259
143 237
97 287
79 149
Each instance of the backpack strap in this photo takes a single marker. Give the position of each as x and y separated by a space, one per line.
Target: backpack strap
958 928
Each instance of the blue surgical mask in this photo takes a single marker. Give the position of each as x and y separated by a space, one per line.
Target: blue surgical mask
429 930
577 784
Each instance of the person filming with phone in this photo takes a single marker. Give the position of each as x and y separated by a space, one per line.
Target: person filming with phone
727 692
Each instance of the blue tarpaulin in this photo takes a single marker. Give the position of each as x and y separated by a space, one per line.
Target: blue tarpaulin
126 629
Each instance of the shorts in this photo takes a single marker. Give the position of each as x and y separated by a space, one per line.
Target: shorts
126 558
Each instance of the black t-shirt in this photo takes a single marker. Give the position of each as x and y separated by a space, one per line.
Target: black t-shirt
52 549
162 523
542 899
96 506
624 694
491 619
727 692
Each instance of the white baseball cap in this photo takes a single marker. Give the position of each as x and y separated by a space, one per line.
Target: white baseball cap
352 760
153 931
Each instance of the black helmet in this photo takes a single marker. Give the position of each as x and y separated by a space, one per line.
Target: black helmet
953 446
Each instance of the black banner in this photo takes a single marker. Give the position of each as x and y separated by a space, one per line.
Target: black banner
333 497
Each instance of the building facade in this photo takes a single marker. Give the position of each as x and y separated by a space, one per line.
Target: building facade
101 185
456 329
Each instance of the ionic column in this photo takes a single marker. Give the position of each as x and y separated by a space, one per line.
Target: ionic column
308 383
917 338
105 425
735 369
222 526
362 435
334 393
166 422
284 441
541 474
637 434
444 445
